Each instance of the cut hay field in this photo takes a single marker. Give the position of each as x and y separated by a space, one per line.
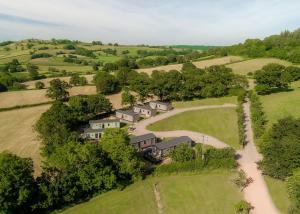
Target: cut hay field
29 97
207 193
283 104
199 64
252 65
31 84
220 123
17 134
207 101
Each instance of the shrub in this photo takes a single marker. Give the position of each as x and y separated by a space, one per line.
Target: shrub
39 85
40 55
219 158
243 207
182 153
257 115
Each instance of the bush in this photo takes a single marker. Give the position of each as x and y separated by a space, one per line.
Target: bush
180 167
182 153
257 115
241 120
39 85
219 158
243 207
40 55
19 86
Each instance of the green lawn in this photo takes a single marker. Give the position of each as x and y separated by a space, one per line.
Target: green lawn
220 123
206 193
283 104
207 101
279 194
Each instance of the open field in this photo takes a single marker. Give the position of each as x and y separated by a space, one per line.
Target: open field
252 65
283 104
199 64
17 134
199 194
220 123
207 101
279 193
31 84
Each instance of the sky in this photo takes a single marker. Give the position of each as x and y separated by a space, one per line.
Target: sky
155 22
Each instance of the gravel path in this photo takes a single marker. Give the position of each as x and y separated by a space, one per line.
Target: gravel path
140 127
256 193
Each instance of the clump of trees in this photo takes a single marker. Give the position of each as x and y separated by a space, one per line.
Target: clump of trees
106 83
284 46
281 148
40 55
76 80
13 66
275 77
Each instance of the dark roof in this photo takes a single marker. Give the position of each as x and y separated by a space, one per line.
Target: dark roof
140 138
159 102
173 142
128 112
104 121
147 107
89 130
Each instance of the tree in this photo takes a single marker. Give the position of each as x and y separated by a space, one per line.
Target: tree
13 66
55 127
58 89
39 85
98 104
116 143
272 76
140 83
74 172
17 185
128 98
281 148
182 153
33 71
106 83
77 80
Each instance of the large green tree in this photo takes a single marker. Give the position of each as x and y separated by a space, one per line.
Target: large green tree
17 185
58 89
106 83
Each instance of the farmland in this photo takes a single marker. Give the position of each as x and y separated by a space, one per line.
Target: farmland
179 194
220 123
199 64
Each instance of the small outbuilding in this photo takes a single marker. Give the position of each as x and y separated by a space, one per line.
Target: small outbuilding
145 110
127 115
162 106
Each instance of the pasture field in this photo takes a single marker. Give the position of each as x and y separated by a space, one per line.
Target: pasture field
278 191
220 123
199 64
207 101
282 104
251 65
17 134
207 193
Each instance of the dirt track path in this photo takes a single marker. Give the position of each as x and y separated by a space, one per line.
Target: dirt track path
256 193
140 127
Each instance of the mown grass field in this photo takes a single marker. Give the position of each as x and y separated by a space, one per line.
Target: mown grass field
17 134
283 104
279 194
207 101
199 64
251 65
220 123
206 193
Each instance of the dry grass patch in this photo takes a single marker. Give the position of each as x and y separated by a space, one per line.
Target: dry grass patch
31 84
252 65
199 64
18 136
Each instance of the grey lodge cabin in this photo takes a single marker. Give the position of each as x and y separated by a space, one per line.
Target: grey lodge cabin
144 110
162 106
148 144
127 115
96 128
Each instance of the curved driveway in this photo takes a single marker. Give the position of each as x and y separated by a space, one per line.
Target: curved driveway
140 127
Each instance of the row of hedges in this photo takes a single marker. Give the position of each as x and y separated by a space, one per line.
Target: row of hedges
211 159
258 116
241 119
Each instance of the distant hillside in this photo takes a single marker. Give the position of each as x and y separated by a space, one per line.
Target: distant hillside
195 47
285 46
